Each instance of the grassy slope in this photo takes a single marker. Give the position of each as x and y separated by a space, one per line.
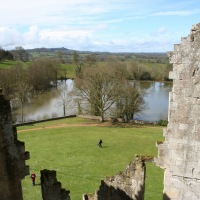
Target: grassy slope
80 164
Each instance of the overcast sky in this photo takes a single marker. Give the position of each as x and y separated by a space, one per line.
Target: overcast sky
97 25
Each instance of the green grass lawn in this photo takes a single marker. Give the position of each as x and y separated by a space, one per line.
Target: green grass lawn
70 69
11 63
7 64
81 164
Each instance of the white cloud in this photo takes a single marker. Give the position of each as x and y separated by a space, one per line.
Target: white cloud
9 36
32 35
176 13
85 39
111 25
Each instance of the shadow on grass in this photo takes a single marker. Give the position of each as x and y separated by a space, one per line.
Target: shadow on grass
82 177
109 192
38 184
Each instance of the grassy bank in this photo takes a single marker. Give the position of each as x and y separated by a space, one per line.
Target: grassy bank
73 152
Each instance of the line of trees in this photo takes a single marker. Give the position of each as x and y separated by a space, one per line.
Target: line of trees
5 55
100 88
154 73
19 53
103 88
134 69
23 81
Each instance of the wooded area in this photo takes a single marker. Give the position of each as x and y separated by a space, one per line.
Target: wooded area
104 81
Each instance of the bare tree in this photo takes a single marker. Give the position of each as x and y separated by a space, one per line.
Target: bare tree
9 78
90 60
43 72
64 97
78 64
104 87
22 89
76 58
129 101
134 70
20 54
99 86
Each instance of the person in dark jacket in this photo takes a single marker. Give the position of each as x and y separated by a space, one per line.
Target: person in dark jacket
100 143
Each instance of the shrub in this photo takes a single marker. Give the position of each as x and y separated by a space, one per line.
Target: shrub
162 122
145 76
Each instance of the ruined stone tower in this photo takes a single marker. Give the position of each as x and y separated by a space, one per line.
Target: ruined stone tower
12 156
179 155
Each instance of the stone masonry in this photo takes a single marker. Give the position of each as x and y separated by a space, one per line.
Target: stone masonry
12 156
179 154
51 188
127 185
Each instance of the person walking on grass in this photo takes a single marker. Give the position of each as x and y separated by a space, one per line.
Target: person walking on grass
33 176
100 143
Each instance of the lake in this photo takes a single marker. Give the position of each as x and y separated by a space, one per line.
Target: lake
157 98
48 105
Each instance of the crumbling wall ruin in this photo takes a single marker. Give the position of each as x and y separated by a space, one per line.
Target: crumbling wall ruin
179 155
12 156
127 185
51 188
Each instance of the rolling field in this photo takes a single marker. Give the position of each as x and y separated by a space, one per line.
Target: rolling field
7 64
69 146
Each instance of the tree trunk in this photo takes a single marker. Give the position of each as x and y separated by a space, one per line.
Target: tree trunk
102 117
22 113
64 111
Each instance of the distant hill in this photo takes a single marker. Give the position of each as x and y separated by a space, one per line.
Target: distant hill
66 54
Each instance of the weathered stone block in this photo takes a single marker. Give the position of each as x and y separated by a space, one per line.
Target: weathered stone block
127 185
173 75
172 193
12 159
182 135
177 155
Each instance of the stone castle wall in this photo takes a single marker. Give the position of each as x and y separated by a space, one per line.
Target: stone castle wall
12 156
127 185
179 155
51 188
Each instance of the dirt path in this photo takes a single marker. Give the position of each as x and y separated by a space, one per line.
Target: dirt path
83 124
66 125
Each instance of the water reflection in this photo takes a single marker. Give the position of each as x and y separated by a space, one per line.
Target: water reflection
157 98
47 105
